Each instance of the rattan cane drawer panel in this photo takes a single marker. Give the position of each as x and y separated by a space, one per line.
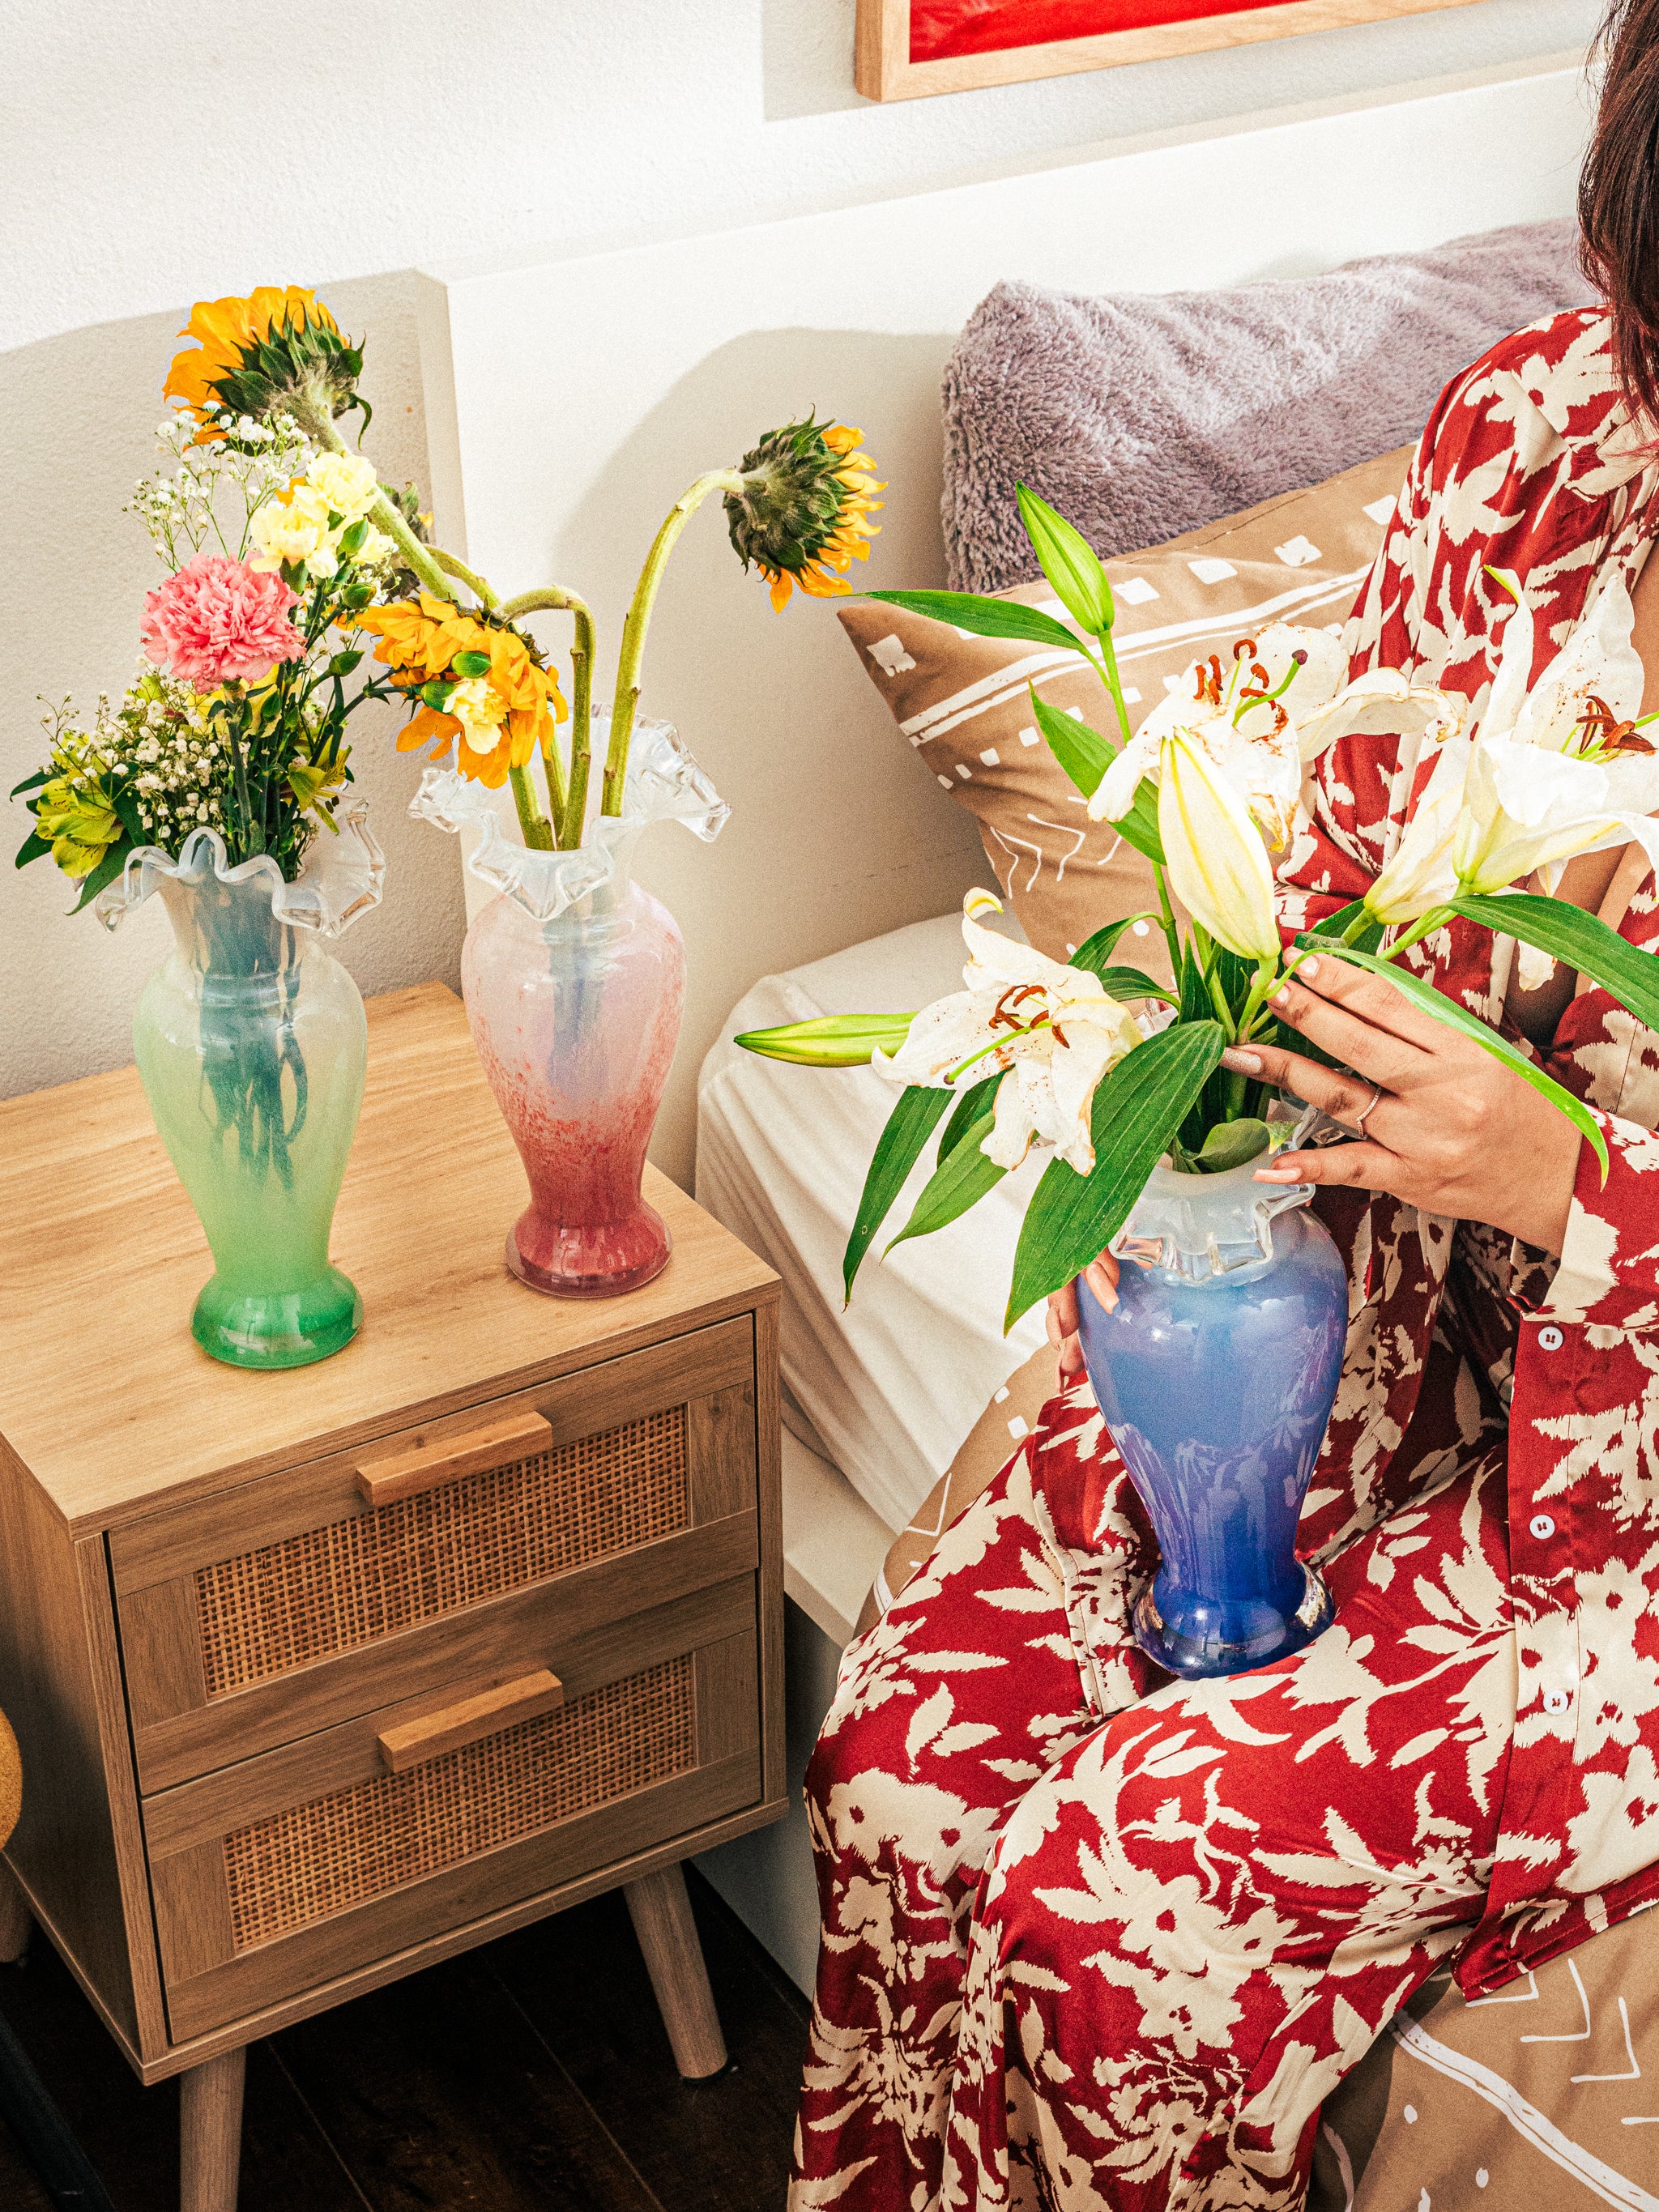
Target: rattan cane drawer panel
331 1590
251 1516
296 1868
409 1927
541 1624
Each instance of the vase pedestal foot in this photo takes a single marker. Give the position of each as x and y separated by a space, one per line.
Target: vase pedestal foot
278 1329
588 1260
1194 1637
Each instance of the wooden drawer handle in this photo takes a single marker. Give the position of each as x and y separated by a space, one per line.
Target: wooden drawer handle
421 1466
487 1713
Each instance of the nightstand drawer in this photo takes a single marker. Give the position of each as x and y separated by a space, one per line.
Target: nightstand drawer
281 1873
262 1614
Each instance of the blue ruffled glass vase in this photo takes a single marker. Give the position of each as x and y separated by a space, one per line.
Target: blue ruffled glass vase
1215 1372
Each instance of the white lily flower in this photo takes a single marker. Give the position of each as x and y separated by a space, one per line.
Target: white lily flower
1053 1025
1261 722
1561 769
1217 861
1419 875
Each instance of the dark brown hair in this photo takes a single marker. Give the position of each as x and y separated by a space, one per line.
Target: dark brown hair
1618 193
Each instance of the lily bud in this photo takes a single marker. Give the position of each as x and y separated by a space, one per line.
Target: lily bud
1216 856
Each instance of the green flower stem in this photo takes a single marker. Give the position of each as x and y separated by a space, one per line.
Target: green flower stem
569 811
1106 668
533 825
1433 919
458 569
626 697
433 569
1171 935
1219 1000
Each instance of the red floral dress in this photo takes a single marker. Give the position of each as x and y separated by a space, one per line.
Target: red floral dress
1096 1938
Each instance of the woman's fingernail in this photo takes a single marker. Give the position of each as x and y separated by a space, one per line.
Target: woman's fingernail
1309 966
1282 996
1241 1062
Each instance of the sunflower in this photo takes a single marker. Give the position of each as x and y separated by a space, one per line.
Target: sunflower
480 689
801 515
258 355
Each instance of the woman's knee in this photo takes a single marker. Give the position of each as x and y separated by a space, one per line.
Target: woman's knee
868 1809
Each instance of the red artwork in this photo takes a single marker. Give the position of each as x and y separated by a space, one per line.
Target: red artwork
943 29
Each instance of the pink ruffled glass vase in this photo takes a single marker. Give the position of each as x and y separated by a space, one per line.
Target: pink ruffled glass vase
575 982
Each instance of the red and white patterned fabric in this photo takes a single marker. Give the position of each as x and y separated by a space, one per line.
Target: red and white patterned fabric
1092 1938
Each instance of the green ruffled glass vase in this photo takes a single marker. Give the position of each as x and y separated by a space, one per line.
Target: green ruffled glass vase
251 1046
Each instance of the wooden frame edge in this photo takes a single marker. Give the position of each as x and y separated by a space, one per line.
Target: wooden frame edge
883 69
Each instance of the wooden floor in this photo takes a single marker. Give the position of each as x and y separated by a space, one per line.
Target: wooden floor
533 2075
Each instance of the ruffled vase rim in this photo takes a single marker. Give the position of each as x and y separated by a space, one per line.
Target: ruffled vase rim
665 784
343 877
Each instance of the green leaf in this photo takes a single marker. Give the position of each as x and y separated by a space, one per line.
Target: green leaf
973 1105
1138 827
1069 561
106 873
470 663
1230 1144
1428 1000
909 1125
343 662
831 1040
126 812
1134 983
1081 750
32 782
984 618
1344 919
352 539
956 1184
1137 1111
33 847
1579 939
1095 952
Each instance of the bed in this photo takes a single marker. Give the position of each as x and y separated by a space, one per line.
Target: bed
556 438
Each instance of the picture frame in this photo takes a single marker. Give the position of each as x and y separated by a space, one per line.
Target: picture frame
884 69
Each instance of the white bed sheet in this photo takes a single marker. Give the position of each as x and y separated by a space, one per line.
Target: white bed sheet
888 1389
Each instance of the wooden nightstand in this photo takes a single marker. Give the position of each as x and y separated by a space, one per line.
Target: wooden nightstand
319 1676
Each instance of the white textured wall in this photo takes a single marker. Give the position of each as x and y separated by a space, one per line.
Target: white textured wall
170 149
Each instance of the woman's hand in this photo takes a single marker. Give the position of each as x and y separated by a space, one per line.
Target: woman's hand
1451 1129
1101 1276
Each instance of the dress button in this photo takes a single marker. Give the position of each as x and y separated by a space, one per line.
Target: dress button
1551 1338
1541 1526
1556 1701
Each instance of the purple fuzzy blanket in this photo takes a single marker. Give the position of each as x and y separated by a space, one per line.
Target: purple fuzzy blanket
1141 416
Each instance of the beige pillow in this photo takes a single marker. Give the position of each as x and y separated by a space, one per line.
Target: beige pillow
962 701
1546 2094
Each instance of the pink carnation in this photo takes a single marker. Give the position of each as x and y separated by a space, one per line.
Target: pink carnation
217 619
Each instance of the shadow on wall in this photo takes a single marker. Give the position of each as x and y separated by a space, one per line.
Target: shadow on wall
838 832
79 412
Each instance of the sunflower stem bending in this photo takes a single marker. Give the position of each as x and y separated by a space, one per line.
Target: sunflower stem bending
463 574
626 697
568 810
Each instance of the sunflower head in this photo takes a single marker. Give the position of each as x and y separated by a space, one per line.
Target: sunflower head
801 517
278 351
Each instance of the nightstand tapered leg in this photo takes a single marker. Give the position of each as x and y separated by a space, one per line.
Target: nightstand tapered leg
661 1913
210 2134
16 1921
